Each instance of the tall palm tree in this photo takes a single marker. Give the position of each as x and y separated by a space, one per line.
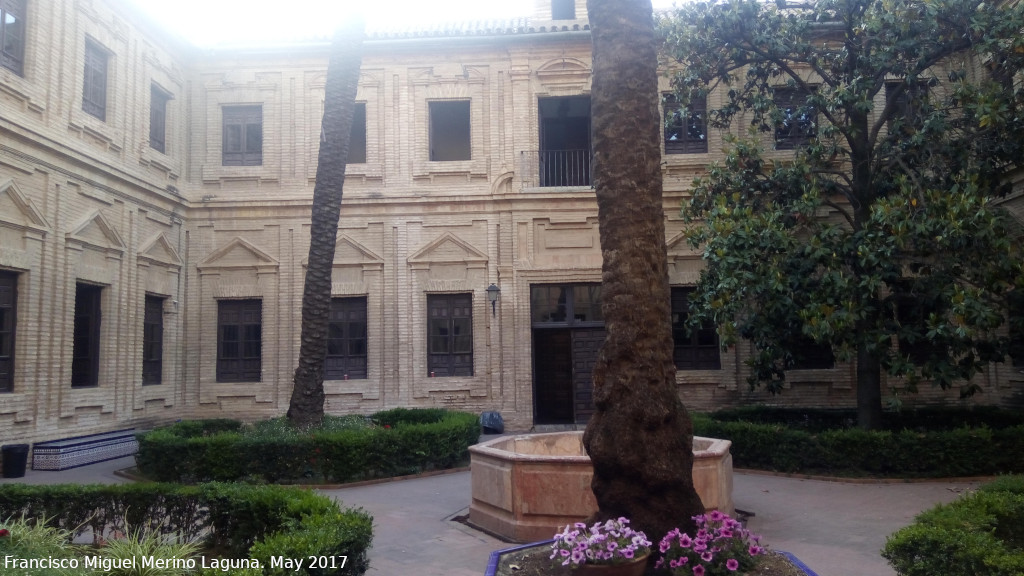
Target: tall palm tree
307 403
640 437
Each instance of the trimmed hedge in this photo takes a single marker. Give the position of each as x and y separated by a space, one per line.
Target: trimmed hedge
920 419
403 442
980 534
236 520
910 453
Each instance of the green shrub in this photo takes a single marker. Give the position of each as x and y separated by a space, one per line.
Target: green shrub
29 539
235 520
390 443
977 535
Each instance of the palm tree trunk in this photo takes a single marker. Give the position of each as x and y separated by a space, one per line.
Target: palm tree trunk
307 403
640 437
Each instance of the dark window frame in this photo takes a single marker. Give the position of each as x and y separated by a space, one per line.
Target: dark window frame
692 349
443 331
12 50
908 107
153 340
448 117
158 99
95 79
88 321
8 328
810 355
244 147
236 340
357 136
791 134
1016 321
566 312
563 9
347 340
690 137
910 308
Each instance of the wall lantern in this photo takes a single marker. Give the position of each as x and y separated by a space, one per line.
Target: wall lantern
492 297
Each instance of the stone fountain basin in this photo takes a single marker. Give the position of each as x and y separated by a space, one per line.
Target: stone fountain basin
528 487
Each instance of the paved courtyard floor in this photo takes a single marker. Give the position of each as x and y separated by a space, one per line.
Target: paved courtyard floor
836 528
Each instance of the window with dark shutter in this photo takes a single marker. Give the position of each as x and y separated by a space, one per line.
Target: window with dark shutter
692 349
357 137
8 308
689 134
908 107
12 35
450 335
158 99
239 340
242 136
449 130
346 340
153 341
810 355
85 355
94 85
799 123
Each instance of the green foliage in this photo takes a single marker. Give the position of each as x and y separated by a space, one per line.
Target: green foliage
237 520
897 452
882 227
978 535
143 543
31 539
390 443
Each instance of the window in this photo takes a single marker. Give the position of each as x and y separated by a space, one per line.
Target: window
85 356
572 304
798 125
346 340
239 340
94 86
908 109
1017 328
912 313
357 137
450 334
563 9
158 118
243 136
449 130
8 307
153 341
810 355
687 135
12 35
692 349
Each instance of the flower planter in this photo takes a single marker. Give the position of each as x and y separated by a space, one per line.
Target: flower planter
634 568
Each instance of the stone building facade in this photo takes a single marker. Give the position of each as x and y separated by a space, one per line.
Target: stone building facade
155 205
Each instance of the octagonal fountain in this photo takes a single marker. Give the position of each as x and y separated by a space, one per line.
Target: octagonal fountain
527 487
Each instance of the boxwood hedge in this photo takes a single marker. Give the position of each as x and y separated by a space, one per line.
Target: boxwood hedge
234 520
943 444
980 534
399 442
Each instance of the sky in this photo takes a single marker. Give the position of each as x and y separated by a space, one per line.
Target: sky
212 22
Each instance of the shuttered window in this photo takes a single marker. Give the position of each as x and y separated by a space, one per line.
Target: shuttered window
243 136
8 307
12 35
85 356
153 341
94 85
450 335
239 340
799 124
158 99
693 349
346 340
686 134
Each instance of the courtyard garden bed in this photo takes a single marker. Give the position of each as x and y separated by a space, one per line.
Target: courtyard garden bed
980 534
926 443
390 443
232 521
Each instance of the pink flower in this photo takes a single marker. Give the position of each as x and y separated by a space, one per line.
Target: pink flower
698 570
732 564
4 533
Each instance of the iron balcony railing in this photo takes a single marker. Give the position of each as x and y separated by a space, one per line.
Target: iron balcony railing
547 168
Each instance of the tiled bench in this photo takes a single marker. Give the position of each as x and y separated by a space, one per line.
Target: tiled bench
82 450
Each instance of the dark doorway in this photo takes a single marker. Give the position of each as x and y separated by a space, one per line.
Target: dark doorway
553 382
85 356
585 345
565 141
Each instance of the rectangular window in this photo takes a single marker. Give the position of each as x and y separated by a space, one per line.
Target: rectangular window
153 341
243 136
687 135
811 355
692 349
450 334
799 123
563 9
8 307
158 99
12 35
85 355
346 339
1017 328
94 85
908 109
449 130
912 313
569 305
239 340
357 137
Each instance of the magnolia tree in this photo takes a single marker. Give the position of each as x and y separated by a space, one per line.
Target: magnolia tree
875 237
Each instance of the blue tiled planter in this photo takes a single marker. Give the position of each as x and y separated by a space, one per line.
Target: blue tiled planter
492 562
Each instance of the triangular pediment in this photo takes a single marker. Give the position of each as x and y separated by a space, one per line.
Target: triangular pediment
678 246
159 250
96 231
16 208
447 249
347 251
238 253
